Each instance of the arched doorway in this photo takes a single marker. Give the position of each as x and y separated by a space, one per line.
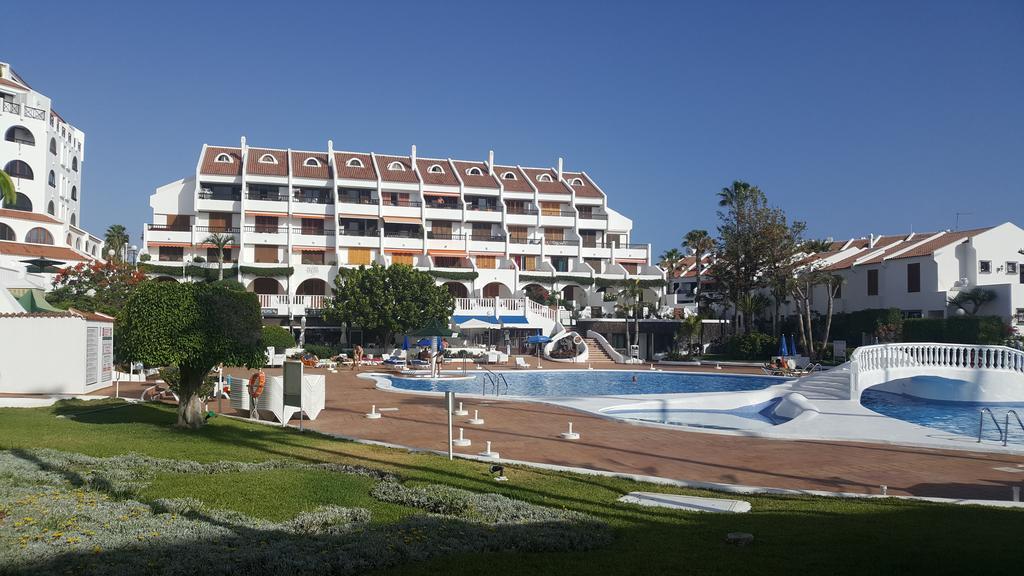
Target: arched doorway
312 287
496 290
574 294
266 286
457 289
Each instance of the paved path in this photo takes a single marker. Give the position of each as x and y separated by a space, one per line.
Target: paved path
529 431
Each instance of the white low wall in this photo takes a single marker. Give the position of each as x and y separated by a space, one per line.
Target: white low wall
47 355
948 372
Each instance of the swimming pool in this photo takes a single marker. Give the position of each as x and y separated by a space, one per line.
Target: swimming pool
562 383
957 417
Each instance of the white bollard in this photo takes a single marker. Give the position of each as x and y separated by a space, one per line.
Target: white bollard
570 435
885 490
476 420
460 411
373 414
489 453
1016 493
461 440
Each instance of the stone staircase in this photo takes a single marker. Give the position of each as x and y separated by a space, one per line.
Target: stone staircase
597 354
831 384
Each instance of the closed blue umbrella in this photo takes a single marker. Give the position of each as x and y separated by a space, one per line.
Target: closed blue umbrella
783 350
423 342
792 344
405 342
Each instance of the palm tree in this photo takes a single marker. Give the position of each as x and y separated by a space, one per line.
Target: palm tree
220 242
630 303
8 195
701 243
116 238
669 258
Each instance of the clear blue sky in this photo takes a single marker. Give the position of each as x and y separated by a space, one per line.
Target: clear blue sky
858 117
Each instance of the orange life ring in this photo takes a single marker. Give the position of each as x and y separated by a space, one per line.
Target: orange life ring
256 383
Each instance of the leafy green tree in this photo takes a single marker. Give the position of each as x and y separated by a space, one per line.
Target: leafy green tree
278 337
192 326
969 301
387 301
8 194
115 238
94 287
220 242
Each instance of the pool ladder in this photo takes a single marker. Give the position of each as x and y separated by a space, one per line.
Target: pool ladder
1004 430
495 379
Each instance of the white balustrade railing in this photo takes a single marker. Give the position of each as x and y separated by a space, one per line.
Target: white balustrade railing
870 365
312 301
503 307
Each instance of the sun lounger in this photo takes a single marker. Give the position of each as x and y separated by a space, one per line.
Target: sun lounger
520 363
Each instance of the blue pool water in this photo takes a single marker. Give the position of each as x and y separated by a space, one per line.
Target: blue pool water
956 417
592 383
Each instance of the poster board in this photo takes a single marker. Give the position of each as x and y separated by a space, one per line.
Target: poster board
293 383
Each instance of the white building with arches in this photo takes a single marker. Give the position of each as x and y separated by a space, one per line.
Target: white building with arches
44 157
485 230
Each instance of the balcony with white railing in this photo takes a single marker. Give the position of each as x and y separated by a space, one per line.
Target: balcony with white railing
499 307
967 372
487 243
164 233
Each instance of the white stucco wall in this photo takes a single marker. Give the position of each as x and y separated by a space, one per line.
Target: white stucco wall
46 355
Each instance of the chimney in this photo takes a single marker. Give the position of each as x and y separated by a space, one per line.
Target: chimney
559 167
490 162
413 156
330 148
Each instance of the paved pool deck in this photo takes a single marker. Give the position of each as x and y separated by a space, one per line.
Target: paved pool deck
529 431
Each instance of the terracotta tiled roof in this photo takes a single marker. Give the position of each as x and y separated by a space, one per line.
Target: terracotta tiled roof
33 216
587 190
485 180
552 187
518 185
41 250
445 178
929 247
300 170
222 168
254 166
367 171
386 175
12 84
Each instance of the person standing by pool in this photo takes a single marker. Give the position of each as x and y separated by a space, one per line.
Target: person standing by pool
357 356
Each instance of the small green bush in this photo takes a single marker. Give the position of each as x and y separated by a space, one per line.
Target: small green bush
278 337
752 346
320 350
229 284
145 258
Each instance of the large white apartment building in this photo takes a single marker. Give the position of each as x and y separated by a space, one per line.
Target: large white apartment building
44 156
485 230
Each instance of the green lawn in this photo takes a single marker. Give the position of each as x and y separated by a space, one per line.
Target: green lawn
793 534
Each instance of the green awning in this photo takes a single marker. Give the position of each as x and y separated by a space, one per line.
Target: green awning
34 300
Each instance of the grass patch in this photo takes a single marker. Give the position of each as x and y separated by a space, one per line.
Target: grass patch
793 534
276 495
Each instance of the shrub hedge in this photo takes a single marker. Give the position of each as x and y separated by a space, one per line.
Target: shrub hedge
278 337
752 346
955 330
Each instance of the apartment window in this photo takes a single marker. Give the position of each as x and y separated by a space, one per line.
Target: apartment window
589 238
985 266
516 206
872 282
585 211
518 234
554 234
266 254
560 263
179 222
312 227
550 209
631 267
219 221
354 195
6 233
911 314
211 255
1011 267
315 258
614 240
359 256
525 263
594 263
402 258
481 231
266 224
447 261
171 254
1020 316
21 135
914 277
486 262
